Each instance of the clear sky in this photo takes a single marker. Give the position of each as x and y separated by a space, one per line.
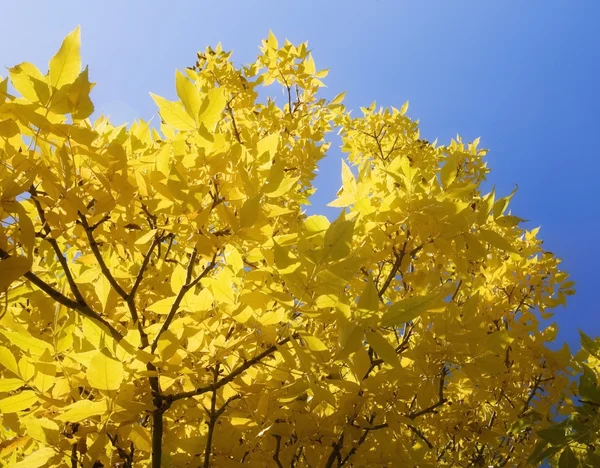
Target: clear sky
523 75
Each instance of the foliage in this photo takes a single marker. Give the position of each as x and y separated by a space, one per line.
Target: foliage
574 441
166 298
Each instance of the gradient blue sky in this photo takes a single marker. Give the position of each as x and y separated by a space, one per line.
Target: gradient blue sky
523 75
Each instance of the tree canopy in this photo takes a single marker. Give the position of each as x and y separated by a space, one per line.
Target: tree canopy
166 300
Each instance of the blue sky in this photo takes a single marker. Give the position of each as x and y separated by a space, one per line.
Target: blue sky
522 75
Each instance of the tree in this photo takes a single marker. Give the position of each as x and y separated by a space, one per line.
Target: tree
166 298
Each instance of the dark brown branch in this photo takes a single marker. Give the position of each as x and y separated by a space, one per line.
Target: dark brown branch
420 434
214 414
230 377
145 262
456 292
189 284
74 462
361 441
98 255
126 457
83 309
212 419
277 450
61 258
441 399
104 218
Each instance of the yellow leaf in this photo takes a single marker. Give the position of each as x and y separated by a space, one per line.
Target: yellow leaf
449 171
174 114
23 340
78 96
268 145
339 98
42 429
45 373
10 384
212 108
26 368
338 239
19 402
178 278
497 240
234 259
149 236
81 410
250 211
316 223
29 81
140 436
162 306
313 343
369 299
411 308
36 459
501 205
66 64
104 372
189 95
11 269
383 348
285 186
7 359
221 287
326 301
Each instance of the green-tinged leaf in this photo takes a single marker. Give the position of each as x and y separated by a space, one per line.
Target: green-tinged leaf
19 402
66 64
591 346
104 372
538 450
568 459
554 435
383 348
588 386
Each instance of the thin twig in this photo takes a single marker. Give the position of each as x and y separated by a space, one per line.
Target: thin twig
231 376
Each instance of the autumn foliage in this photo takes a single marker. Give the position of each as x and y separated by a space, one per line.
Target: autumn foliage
165 298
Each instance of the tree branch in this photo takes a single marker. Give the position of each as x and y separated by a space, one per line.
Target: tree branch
277 449
441 399
98 255
83 309
61 258
189 284
229 378
145 262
